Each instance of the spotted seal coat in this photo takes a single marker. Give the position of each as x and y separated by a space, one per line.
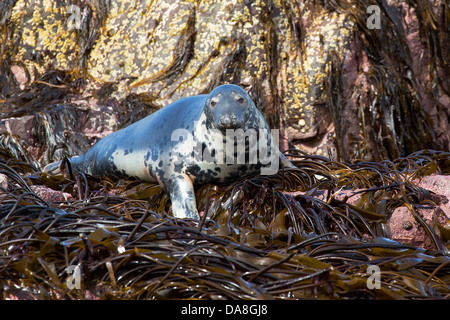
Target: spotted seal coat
185 143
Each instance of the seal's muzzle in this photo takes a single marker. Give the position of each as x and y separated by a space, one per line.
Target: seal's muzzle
228 108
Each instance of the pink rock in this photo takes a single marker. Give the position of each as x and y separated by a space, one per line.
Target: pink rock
404 227
50 195
20 75
3 181
440 185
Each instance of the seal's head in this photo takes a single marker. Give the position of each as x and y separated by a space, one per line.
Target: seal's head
228 107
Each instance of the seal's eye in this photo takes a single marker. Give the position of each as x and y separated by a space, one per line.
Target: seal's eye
213 104
240 100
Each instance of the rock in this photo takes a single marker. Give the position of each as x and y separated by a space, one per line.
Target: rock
45 193
318 72
62 130
403 226
50 195
3 181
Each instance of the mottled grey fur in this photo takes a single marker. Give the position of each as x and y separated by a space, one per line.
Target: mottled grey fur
152 149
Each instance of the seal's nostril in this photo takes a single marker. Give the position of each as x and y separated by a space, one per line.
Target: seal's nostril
229 122
225 121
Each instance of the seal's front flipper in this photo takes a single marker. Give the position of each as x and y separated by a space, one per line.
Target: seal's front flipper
182 195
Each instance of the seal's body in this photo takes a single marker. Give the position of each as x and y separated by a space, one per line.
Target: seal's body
184 144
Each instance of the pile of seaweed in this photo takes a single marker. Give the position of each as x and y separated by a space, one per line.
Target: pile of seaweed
269 237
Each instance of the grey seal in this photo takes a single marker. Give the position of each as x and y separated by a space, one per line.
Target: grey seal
210 138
